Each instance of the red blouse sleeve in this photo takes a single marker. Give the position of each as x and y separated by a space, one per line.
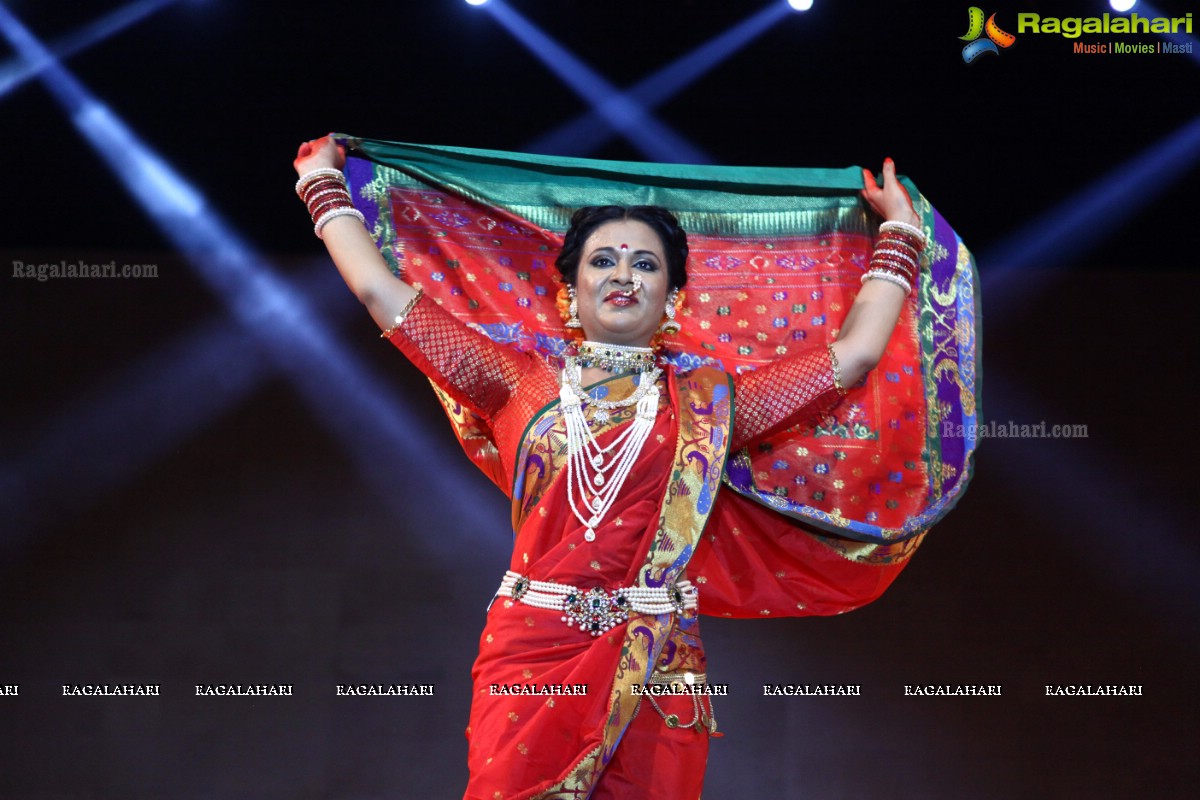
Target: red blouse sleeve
466 364
781 395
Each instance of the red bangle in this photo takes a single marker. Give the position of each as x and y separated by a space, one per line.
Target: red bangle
324 173
323 185
906 241
898 269
329 205
888 266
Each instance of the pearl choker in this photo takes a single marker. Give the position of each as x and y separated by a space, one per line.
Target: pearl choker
616 358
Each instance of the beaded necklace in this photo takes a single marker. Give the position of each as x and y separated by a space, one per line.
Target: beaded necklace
596 474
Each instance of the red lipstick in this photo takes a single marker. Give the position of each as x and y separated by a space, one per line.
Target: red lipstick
626 297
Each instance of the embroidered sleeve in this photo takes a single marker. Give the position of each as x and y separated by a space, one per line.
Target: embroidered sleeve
464 363
782 394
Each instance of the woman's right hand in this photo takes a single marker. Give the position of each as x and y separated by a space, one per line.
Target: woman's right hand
319 154
891 201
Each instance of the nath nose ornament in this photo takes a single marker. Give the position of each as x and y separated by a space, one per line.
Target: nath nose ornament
637 283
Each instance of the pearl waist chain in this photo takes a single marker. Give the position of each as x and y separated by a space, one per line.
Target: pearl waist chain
597 610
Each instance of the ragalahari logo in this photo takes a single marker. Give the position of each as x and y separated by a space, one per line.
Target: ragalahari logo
976 27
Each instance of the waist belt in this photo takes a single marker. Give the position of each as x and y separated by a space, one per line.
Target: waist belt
686 679
596 610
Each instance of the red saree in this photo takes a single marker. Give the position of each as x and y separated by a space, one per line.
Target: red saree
530 741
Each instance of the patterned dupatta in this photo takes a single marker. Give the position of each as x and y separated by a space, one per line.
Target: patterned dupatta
776 258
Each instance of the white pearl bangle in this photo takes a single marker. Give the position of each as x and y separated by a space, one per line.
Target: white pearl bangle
309 177
344 211
904 227
891 277
900 254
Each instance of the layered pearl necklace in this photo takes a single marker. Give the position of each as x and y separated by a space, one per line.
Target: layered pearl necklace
595 474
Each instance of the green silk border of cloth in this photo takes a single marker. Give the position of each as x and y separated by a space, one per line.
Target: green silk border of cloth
776 259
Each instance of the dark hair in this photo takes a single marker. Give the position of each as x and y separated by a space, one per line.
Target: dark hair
587 219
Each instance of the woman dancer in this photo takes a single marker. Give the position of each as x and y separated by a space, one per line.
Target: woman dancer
617 461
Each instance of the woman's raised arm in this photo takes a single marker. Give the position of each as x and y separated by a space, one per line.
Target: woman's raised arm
353 252
463 362
872 318
796 389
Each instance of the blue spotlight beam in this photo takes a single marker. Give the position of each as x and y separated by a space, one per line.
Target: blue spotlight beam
591 130
109 432
19 70
668 81
654 139
1083 222
107 435
351 401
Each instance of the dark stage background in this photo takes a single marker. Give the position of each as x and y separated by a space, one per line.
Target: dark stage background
176 509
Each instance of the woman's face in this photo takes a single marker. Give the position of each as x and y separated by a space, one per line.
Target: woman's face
621 285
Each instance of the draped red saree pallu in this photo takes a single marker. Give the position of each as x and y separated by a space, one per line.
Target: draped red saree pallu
816 517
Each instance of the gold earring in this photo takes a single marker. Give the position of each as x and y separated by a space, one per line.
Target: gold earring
671 327
573 310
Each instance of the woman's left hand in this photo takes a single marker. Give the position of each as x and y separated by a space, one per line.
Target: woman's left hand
891 201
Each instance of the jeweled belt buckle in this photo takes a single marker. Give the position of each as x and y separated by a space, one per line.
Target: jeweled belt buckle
595 610
520 587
